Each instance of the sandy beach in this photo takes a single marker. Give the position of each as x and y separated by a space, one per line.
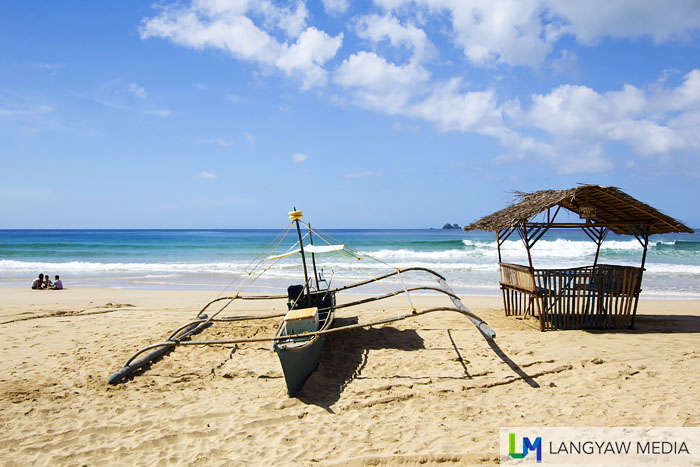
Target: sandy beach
430 390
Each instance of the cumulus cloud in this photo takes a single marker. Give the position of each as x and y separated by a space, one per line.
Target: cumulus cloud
206 175
335 7
522 32
631 115
378 84
290 21
379 28
312 49
299 158
567 126
229 26
137 90
574 122
592 20
451 109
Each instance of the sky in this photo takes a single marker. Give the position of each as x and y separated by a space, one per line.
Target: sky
368 114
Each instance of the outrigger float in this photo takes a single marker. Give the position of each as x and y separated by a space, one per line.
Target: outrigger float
310 309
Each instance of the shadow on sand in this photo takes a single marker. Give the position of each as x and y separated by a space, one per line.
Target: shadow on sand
658 324
344 356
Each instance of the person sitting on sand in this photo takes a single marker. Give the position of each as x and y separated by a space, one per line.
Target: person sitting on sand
38 282
47 282
57 284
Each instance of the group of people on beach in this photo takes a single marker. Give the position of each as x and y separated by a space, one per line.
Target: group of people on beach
44 282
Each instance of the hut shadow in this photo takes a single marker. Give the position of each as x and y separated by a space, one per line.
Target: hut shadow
658 324
344 356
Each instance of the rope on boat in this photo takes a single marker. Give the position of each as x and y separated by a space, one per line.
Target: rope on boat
482 326
337 289
279 239
354 253
202 321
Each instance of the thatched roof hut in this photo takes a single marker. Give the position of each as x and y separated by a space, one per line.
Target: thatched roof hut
589 296
603 205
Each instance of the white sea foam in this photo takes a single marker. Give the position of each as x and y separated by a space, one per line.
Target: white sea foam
405 254
675 269
80 267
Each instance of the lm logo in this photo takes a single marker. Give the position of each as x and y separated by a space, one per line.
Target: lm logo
527 447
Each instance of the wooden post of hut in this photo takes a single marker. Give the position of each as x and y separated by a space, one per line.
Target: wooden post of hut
597 296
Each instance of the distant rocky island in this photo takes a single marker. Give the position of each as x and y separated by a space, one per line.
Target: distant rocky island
451 226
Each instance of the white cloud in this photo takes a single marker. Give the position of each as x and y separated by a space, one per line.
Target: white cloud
206 175
687 95
41 109
233 98
370 71
574 122
291 22
378 28
362 174
335 7
218 141
227 26
312 49
299 158
522 32
567 126
159 112
629 115
250 138
508 31
451 109
378 84
594 19
137 90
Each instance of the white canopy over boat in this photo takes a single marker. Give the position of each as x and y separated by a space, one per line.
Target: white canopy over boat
315 249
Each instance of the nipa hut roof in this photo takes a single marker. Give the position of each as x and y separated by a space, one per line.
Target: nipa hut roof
613 208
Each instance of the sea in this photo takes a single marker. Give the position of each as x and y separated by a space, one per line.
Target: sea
229 260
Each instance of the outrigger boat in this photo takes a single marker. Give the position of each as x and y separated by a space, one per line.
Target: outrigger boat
310 310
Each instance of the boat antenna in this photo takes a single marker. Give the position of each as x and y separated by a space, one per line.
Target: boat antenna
295 216
313 258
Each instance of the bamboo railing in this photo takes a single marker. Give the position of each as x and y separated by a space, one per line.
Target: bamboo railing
590 297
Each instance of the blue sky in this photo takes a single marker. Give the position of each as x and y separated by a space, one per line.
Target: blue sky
384 113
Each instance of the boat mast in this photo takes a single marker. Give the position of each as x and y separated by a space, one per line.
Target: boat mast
313 258
295 216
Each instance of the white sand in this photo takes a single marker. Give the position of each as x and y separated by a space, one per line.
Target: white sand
428 390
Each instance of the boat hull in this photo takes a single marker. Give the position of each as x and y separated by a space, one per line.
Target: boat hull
298 364
300 358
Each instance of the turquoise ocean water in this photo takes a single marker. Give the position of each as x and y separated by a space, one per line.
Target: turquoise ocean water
210 259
